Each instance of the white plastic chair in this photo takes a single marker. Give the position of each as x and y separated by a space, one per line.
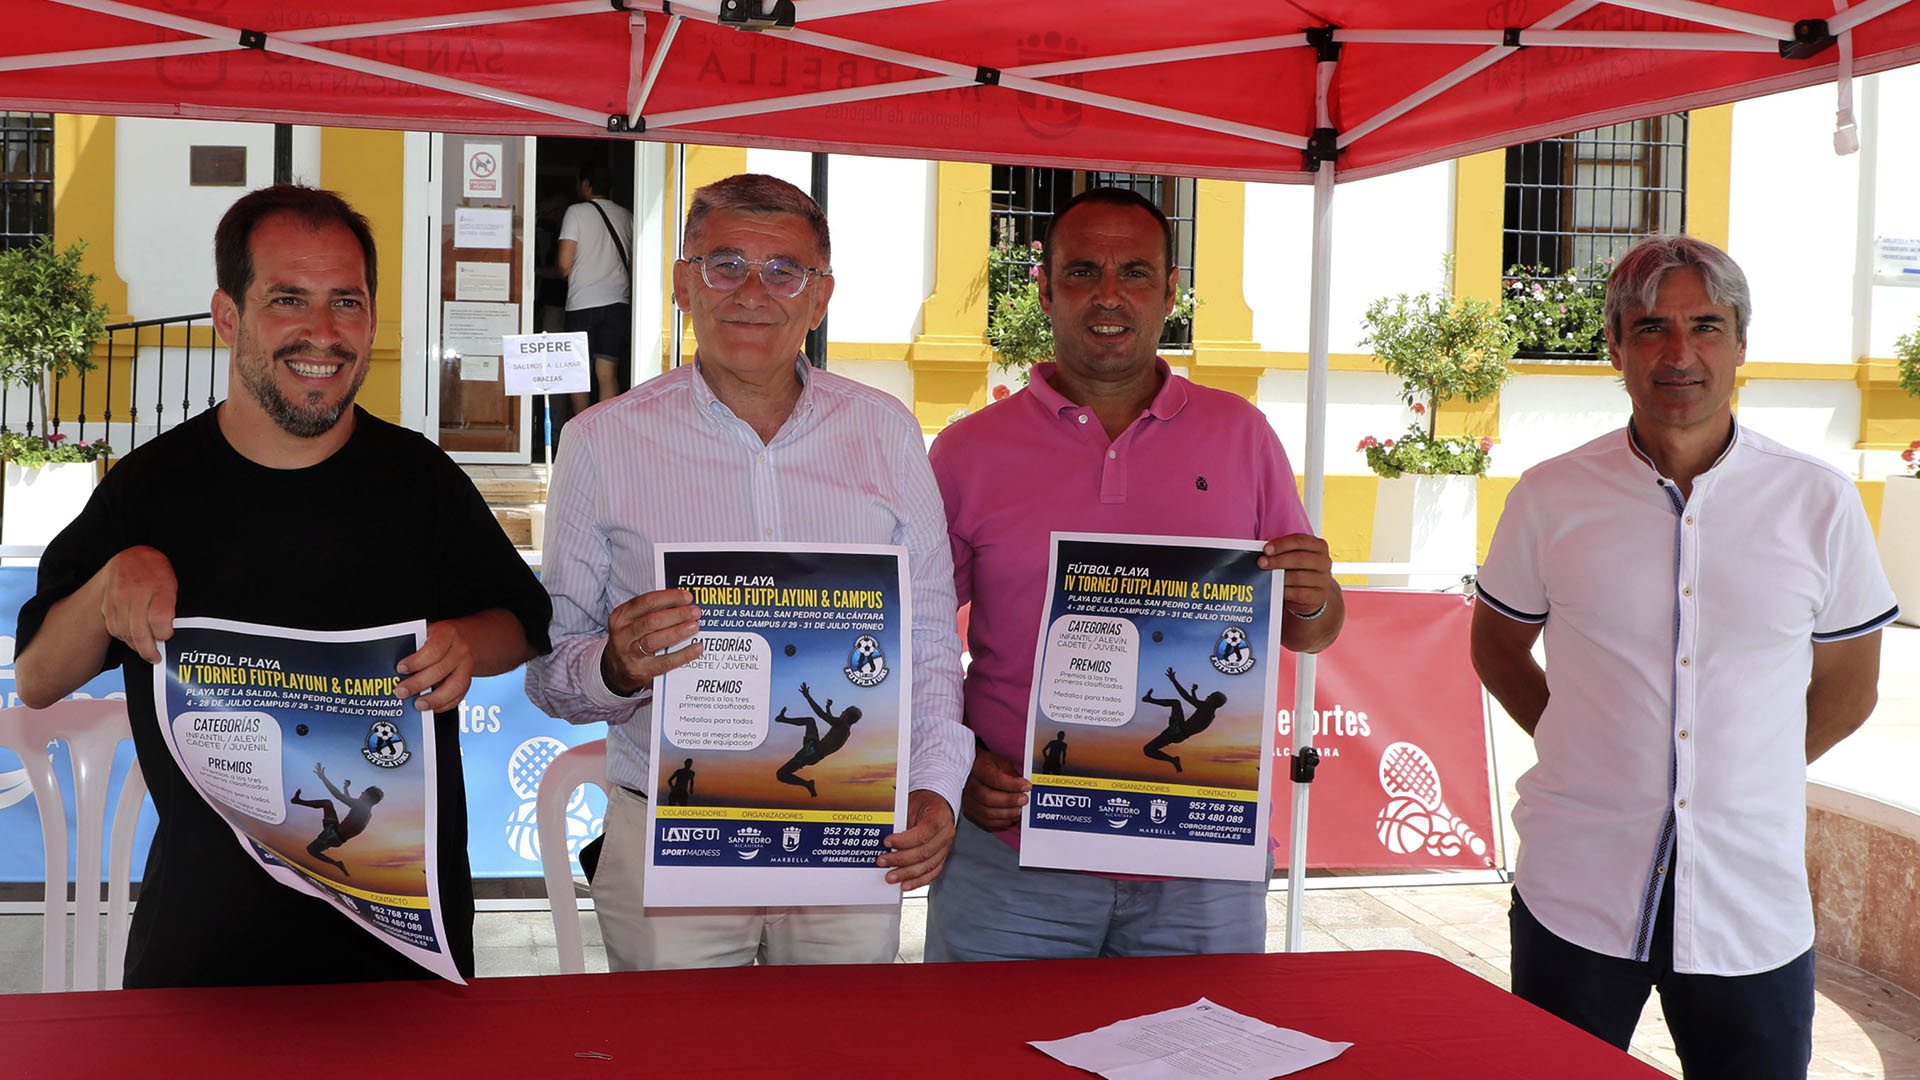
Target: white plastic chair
92 730
583 764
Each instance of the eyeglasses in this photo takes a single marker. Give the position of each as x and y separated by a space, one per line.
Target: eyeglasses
782 276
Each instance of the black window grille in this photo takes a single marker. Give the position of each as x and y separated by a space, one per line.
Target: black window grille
26 177
1025 198
1575 203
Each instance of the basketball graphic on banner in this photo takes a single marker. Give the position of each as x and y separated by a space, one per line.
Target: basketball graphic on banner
1405 826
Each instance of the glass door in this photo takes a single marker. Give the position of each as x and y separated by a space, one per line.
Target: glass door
478 285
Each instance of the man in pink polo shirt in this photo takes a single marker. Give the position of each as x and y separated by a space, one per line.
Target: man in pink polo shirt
1104 439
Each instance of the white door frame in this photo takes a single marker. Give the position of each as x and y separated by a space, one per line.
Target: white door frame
420 267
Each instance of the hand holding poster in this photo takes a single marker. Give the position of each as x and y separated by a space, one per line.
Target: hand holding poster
777 754
1150 731
327 780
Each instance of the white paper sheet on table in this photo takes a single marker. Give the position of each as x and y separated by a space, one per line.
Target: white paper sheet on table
1201 1039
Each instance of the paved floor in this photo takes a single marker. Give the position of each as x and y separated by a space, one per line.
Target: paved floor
1863 1026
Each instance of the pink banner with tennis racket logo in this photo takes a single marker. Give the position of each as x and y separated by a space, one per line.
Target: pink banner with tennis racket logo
1402 733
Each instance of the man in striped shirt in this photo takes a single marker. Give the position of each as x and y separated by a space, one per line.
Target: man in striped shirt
748 443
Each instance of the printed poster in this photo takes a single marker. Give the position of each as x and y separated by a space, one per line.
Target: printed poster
1150 728
295 738
778 755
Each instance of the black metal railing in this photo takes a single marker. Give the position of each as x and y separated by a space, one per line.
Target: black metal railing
117 384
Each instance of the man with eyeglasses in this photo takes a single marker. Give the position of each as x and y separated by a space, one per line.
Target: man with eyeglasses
1105 438
747 443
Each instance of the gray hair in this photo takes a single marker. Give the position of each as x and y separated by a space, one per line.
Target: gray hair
757 193
1636 279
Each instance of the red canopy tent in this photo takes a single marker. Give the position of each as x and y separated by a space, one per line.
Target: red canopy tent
1225 90
1293 92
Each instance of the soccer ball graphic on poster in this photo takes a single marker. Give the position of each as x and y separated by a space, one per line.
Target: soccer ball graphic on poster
384 746
866 664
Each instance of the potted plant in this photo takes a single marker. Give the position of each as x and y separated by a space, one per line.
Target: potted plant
1557 318
1441 347
1900 502
49 322
1021 332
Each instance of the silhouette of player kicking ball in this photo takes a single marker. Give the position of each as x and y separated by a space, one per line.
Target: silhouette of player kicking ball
1181 727
813 748
680 786
1053 756
333 831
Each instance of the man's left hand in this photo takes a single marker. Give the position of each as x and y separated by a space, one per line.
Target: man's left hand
1311 596
920 852
1309 567
440 672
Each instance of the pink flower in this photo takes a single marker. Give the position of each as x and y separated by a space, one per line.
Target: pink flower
1000 392
1486 444
1036 245
82 442
1368 443
1419 409
56 437
1388 444
1907 454
1034 272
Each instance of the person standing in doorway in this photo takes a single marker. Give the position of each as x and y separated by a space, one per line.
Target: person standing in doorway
596 236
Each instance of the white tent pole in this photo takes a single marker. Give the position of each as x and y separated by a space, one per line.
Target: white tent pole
653 69
286 45
1320 306
111 55
1859 13
1696 41
1693 11
1454 78
1236 47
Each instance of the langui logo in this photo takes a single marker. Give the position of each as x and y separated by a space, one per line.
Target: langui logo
866 664
1233 653
687 834
1118 812
1057 800
748 841
790 838
384 747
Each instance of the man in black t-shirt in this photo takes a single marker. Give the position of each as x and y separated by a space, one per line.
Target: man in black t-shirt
287 505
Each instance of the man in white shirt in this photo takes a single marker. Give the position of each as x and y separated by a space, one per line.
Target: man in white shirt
1712 603
596 243
748 443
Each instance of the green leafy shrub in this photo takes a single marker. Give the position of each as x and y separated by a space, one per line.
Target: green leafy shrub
1557 313
48 325
33 451
1442 347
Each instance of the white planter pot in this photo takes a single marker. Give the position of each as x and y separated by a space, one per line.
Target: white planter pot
1426 521
40 501
1900 543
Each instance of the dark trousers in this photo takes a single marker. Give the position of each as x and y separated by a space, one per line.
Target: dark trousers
1741 1027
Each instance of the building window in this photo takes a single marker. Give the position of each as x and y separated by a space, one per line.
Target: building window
1573 205
26 177
1025 198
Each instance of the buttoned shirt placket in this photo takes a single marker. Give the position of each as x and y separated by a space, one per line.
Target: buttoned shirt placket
1682 697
